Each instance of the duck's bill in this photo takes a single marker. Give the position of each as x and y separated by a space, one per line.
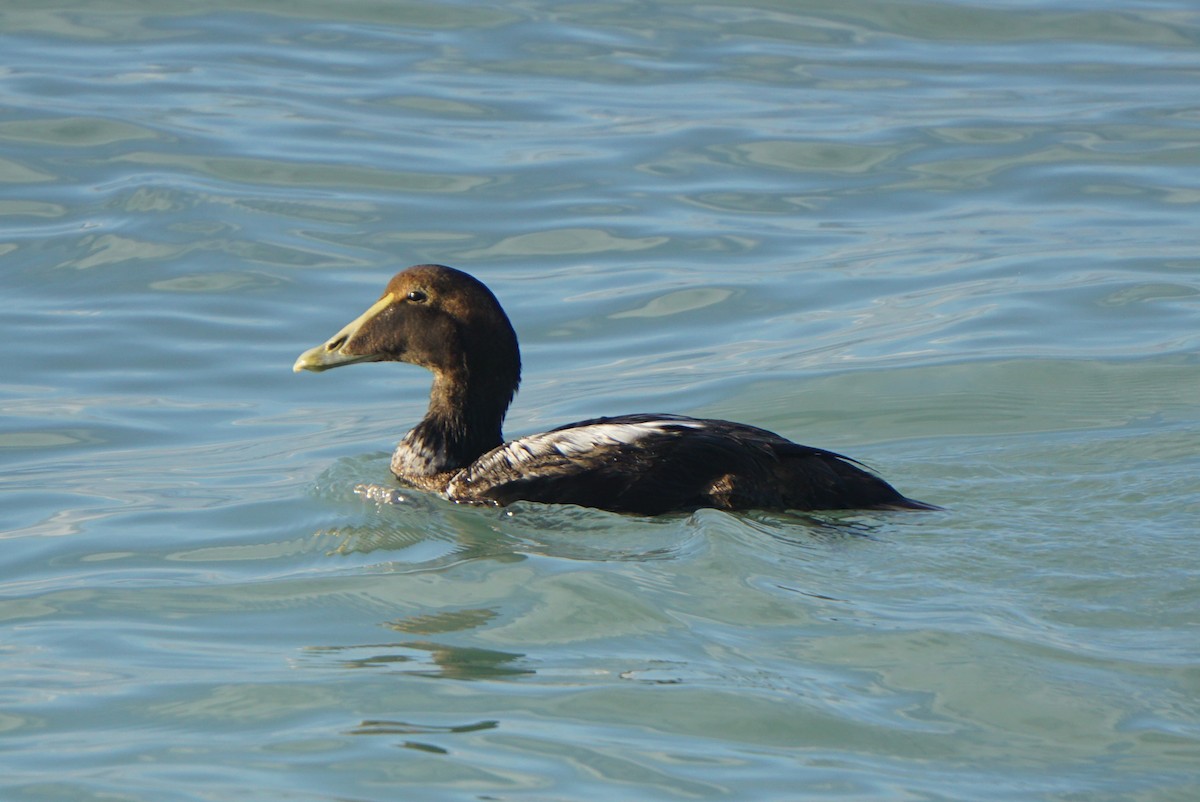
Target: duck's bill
334 352
323 358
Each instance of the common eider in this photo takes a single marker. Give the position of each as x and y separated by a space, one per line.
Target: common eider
451 324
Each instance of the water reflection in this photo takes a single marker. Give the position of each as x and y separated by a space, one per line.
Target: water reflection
430 533
427 659
392 727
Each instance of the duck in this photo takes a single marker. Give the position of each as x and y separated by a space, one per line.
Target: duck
450 323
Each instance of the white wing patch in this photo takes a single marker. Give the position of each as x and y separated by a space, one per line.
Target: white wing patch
574 442
582 439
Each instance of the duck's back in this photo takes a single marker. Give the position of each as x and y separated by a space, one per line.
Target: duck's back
651 464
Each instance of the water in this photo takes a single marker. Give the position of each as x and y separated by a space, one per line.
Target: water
955 241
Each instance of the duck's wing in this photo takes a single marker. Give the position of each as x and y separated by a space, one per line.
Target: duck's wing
652 464
621 464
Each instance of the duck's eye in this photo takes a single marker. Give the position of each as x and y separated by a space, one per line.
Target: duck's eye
417 297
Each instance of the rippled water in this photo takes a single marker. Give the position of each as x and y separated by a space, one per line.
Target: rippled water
956 241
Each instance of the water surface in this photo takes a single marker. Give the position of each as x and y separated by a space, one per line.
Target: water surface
955 241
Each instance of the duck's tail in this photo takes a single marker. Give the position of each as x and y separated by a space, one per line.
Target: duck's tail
909 504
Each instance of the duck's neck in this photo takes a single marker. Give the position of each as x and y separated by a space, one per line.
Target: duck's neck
463 423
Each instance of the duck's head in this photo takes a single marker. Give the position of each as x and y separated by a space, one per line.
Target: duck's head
436 317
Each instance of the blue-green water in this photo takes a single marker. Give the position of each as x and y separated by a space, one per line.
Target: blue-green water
959 242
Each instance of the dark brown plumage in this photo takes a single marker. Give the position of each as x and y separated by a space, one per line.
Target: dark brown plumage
448 322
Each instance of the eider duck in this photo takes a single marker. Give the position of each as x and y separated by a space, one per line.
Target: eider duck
451 324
